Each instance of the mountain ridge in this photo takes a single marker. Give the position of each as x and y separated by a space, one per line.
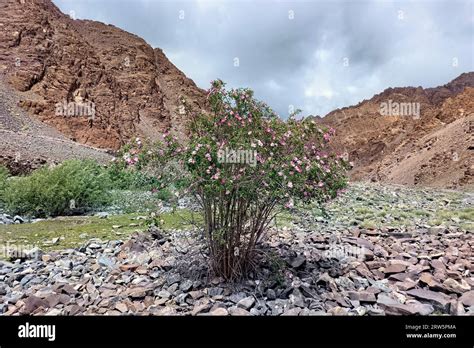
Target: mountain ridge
380 145
64 60
49 59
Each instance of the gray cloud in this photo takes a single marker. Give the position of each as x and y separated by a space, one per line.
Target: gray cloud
329 55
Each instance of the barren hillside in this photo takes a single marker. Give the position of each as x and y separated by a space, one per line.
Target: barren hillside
433 147
134 88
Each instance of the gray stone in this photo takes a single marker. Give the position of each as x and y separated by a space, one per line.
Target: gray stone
94 246
138 292
235 298
237 311
32 303
381 285
186 285
54 312
219 312
181 299
278 306
106 262
292 312
467 299
437 299
297 262
362 296
297 299
395 268
360 310
164 294
420 308
375 311
13 298
457 287
173 278
246 303
18 219
271 295
26 279
256 312
55 299
393 307
173 288
215 291
338 311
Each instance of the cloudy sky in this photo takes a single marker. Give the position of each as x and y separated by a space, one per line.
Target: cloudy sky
312 55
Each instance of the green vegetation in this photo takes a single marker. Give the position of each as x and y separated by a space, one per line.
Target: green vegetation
3 179
368 224
74 186
376 206
127 201
123 178
73 231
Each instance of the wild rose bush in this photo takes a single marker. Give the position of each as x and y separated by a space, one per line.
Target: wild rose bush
243 163
136 167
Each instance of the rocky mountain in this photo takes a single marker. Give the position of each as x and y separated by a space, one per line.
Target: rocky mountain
411 135
27 143
94 83
87 85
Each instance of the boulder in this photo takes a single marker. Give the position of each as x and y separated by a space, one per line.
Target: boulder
437 299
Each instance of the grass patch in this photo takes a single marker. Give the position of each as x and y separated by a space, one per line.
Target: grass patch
363 210
368 224
134 201
284 219
420 213
466 214
71 229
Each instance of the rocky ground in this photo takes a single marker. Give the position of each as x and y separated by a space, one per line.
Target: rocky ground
383 250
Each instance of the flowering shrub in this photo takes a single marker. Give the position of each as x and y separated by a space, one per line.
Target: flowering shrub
243 163
130 170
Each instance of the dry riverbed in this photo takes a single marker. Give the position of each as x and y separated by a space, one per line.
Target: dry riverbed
381 250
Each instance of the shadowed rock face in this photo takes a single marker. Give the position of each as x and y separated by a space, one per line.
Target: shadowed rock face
432 147
51 58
